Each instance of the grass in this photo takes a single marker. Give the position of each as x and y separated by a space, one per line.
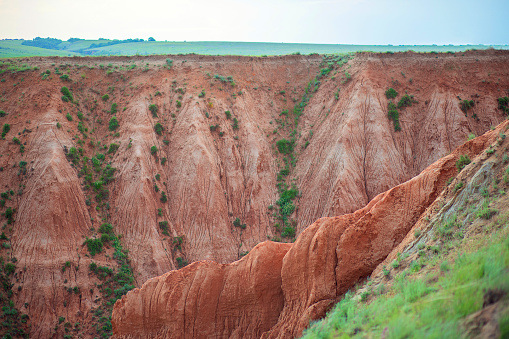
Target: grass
426 306
13 48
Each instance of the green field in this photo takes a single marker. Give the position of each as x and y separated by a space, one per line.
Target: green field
15 48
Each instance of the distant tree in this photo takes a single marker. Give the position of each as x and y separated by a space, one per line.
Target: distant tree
151 39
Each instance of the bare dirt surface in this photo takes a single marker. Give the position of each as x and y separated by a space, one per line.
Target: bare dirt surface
346 153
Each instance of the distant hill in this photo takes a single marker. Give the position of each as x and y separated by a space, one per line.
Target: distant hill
103 47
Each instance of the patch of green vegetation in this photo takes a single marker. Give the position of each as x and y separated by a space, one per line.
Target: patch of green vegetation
392 112
113 148
67 95
153 109
158 128
113 124
5 129
503 104
406 101
114 108
285 146
462 162
465 105
391 93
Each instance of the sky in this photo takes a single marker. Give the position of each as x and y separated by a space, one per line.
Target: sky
360 22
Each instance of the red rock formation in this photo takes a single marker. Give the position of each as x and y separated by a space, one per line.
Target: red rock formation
327 259
205 299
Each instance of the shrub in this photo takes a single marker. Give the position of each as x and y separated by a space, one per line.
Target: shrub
9 268
163 161
69 117
5 129
465 105
202 94
213 127
65 77
169 62
393 115
228 114
158 128
462 162
154 109
163 198
113 148
67 95
179 104
113 124
235 124
153 150
503 104
391 93
181 262
2 114
288 232
285 146
94 246
114 108
406 101
105 97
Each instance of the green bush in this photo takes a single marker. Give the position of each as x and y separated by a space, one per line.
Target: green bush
2 114
67 95
503 104
462 162
288 232
158 128
285 146
154 109
163 198
68 116
202 94
465 105
169 63
179 104
105 97
228 114
406 101
114 108
65 77
153 150
391 93
94 246
113 148
235 124
113 124
6 128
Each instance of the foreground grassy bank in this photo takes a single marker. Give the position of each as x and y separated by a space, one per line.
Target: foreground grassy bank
447 287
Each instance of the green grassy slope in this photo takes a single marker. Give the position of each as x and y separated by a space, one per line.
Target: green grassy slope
13 48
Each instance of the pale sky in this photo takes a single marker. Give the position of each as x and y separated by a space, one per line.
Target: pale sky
308 21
